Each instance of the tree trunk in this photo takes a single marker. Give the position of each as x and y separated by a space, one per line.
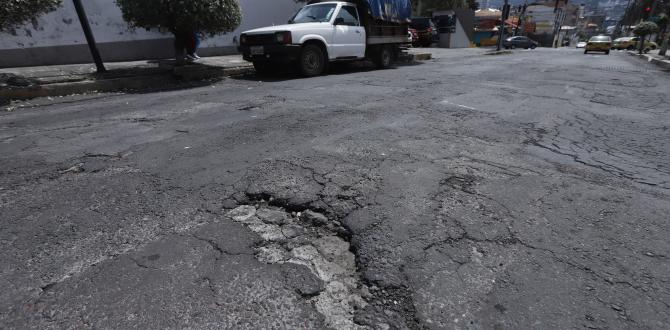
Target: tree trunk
664 46
642 37
179 46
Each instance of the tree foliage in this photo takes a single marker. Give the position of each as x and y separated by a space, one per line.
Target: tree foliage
16 12
645 28
206 16
662 20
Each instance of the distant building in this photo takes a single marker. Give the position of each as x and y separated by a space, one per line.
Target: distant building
57 38
486 26
547 18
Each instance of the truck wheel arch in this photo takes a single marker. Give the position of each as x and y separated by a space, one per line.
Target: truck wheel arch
315 40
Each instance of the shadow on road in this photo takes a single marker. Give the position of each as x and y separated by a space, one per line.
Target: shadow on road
338 68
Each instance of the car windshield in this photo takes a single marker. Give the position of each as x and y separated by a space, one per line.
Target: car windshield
314 13
600 38
420 23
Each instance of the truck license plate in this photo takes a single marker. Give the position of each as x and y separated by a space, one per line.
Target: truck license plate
256 50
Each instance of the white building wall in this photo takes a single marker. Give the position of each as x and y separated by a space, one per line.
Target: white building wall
459 38
57 37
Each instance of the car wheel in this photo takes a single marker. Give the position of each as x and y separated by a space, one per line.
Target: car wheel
630 48
312 61
533 46
383 57
607 52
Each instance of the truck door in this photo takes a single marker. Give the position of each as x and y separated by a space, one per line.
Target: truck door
348 34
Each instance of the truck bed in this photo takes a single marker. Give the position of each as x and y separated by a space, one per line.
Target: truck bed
386 33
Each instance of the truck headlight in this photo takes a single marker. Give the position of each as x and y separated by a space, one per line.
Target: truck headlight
284 37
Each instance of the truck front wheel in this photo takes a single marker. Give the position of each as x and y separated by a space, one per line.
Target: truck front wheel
383 57
312 61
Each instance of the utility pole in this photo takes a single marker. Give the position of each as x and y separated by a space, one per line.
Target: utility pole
503 17
558 22
557 28
522 17
81 13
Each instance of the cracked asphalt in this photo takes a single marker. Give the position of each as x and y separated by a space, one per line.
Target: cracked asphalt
521 191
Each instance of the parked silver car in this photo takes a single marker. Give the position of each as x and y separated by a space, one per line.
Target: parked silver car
519 42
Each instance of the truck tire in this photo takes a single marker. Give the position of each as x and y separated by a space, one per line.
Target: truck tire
312 60
383 57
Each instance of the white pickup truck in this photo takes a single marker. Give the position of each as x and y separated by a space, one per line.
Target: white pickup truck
328 31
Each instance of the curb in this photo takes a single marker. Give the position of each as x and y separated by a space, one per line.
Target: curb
155 80
164 79
421 56
663 64
498 52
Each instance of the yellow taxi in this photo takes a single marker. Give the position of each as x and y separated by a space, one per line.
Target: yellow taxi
632 43
598 44
625 43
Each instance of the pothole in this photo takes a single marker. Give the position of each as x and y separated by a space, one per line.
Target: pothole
311 239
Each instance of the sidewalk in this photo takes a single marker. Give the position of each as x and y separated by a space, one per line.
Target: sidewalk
661 61
31 82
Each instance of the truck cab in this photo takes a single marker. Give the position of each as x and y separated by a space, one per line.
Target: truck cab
316 35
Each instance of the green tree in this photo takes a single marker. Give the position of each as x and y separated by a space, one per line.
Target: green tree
643 30
16 12
664 45
183 16
662 22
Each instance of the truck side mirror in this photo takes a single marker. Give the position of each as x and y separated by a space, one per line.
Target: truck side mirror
339 21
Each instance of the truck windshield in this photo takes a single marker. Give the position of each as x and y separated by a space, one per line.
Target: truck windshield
315 13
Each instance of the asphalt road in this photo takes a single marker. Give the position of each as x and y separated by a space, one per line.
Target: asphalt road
529 190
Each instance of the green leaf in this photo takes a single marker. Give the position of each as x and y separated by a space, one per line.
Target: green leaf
205 16
16 12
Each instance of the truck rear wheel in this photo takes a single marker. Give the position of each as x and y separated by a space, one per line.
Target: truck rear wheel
384 57
312 61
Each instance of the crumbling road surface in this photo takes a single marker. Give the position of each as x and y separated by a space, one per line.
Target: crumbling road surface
519 191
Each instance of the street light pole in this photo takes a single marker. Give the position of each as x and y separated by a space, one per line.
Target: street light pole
81 13
502 24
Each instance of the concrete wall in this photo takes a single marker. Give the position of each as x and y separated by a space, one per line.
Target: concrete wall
458 39
57 38
464 29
